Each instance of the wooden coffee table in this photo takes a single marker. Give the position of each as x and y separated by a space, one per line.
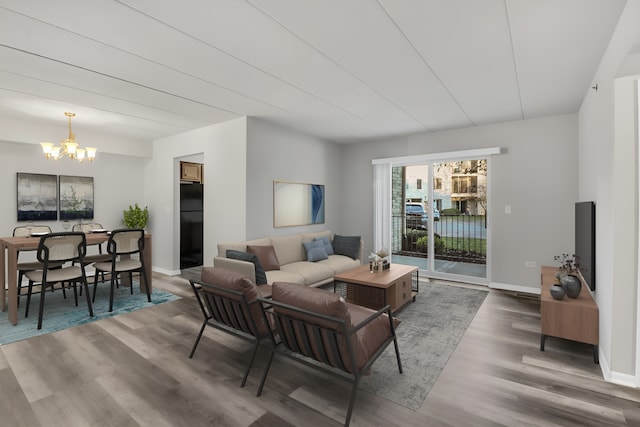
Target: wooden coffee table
395 286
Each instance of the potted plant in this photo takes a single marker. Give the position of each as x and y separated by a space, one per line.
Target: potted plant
568 274
134 217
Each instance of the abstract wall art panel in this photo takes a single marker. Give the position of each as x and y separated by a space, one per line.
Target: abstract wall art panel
76 197
37 197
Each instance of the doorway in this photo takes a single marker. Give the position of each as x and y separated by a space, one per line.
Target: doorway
191 215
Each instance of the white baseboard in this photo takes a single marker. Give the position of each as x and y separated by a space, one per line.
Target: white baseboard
515 288
619 378
166 272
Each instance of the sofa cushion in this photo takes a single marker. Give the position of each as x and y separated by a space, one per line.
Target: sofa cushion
224 247
346 245
235 281
263 241
289 248
266 255
261 278
326 242
285 276
339 263
312 272
315 251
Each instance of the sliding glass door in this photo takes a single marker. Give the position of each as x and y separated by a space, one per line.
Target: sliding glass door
440 219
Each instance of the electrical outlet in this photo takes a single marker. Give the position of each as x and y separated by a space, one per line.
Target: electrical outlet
530 264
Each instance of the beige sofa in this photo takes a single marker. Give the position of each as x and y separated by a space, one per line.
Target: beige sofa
292 258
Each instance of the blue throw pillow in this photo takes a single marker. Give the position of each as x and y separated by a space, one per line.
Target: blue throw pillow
261 277
347 246
327 244
315 251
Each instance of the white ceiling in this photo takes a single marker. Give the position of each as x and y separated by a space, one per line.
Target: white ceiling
344 70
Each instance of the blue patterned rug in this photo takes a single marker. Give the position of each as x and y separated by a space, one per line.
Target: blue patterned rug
60 313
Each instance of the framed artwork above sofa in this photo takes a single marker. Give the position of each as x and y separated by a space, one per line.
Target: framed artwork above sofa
297 203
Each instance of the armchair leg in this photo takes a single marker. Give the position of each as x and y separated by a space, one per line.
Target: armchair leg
264 374
395 345
197 341
352 401
253 357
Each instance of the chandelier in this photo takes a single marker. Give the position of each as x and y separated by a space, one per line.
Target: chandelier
68 147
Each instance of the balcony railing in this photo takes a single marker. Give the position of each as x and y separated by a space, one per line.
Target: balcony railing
461 238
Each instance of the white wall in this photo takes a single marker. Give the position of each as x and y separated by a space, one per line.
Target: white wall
223 151
277 153
118 182
537 177
15 130
608 171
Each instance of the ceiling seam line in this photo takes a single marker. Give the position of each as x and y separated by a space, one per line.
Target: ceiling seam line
108 111
252 66
427 127
426 63
117 78
513 55
146 59
105 96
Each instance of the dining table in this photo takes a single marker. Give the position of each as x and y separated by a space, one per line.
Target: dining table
11 247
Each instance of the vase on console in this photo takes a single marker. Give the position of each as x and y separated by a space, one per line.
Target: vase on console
571 285
557 291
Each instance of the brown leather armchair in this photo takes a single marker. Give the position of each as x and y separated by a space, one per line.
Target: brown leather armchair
229 302
345 338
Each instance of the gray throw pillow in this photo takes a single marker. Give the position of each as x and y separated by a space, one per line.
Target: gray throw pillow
261 277
327 244
315 251
346 245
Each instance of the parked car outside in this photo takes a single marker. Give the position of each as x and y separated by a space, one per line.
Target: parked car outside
417 217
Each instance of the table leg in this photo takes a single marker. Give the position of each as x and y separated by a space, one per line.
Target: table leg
146 253
12 280
3 293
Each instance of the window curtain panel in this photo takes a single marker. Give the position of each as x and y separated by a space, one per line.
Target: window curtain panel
382 206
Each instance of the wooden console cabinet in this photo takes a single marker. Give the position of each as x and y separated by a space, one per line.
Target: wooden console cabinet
569 318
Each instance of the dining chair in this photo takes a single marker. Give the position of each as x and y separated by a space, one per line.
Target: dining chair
91 258
122 244
57 248
23 267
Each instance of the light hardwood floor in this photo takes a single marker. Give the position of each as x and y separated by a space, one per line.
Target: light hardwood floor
133 370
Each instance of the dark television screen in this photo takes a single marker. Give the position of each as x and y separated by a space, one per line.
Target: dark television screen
585 241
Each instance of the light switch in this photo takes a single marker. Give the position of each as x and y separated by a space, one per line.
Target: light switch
507 209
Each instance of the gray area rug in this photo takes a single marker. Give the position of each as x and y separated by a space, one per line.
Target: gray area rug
429 333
